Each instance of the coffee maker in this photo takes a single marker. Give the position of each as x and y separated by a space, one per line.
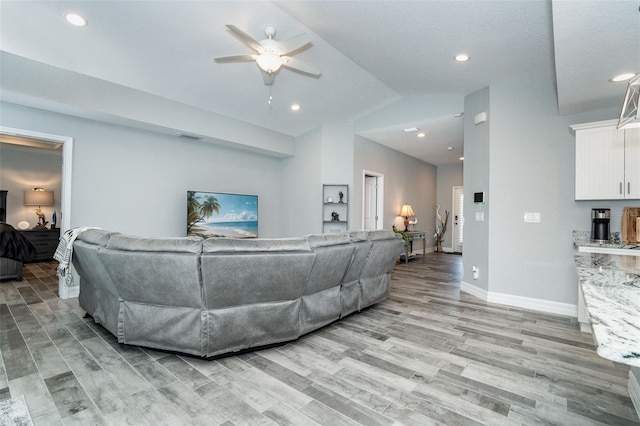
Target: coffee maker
600 219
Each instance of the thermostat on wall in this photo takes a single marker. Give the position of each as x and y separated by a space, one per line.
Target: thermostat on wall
478 197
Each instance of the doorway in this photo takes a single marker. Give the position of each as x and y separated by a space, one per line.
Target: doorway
373 200
458 219
64 292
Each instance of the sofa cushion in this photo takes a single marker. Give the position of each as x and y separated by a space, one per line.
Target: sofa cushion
238 272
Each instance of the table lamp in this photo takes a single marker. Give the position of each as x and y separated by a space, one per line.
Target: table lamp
39 197
406 212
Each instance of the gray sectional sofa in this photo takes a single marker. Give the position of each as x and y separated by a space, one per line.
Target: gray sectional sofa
212 296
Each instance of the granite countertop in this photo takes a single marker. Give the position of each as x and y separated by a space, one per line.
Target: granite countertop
611 287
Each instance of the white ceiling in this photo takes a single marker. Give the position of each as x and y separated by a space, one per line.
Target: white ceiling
374 56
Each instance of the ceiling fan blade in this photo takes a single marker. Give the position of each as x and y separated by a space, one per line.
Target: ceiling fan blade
237 58
294 43
300 66
246 38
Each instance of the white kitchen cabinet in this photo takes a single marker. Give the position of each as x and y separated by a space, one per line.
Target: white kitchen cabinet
607 162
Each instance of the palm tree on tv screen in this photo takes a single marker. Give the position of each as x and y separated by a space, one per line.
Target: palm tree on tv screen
197 210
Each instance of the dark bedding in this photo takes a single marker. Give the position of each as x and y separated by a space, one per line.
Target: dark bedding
14 245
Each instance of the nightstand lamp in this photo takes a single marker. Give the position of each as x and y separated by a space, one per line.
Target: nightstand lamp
406 212
39 197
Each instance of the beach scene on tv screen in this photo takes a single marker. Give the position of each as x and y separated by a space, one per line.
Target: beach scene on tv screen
212 214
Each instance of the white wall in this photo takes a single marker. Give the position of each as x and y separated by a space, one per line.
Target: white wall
136 181
406 179
22 169
448 176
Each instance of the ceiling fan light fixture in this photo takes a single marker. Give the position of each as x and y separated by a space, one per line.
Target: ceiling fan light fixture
269 62
630 114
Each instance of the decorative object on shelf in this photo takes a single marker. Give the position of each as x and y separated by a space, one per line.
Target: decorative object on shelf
54 220
23 225
335 208
441 227
39 197
406 212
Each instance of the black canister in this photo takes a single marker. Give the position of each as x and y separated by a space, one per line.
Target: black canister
600 219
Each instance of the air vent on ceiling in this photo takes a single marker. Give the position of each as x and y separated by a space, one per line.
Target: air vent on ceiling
189 136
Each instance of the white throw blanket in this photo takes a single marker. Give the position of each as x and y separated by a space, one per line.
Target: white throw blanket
65 251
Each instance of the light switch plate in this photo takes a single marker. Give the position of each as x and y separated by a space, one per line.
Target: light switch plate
532 217
479 216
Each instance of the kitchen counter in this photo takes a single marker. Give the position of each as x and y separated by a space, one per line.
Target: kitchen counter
608 248
610 285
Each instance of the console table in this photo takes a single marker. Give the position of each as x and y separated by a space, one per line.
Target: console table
414 236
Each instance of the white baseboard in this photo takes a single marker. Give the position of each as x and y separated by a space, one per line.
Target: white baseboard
634 391
520 301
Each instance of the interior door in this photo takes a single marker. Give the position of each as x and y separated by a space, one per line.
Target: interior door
370 202
458 218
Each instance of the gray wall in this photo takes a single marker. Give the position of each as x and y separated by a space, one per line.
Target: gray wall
22 169
448 176
529 159
406 179
135 181
476 179
301 186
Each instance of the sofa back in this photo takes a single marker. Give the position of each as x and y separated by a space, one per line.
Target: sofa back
214 296
252 290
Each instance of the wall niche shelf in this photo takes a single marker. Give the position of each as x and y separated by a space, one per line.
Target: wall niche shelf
335 209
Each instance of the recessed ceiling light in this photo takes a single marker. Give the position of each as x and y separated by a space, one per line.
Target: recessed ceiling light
621 77
410 129
295 107
421 135
75 19
461 158
462 57
449 148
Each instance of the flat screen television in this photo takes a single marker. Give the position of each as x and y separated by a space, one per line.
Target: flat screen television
215 214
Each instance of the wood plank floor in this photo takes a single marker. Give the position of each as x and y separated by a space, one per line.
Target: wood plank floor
427 355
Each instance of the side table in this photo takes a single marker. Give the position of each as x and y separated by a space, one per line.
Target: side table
414 236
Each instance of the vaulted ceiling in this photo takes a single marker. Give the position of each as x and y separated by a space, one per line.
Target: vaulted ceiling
388 60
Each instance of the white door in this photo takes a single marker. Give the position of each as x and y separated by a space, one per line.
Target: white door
370 202
458 218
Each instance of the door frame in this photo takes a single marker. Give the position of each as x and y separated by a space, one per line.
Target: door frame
380 197
64 292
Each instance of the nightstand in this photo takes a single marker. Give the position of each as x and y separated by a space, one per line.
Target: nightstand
45 242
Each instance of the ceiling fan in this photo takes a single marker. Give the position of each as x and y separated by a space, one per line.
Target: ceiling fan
271 54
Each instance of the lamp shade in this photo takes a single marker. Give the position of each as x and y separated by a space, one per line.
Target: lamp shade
630 115
407 210
38 198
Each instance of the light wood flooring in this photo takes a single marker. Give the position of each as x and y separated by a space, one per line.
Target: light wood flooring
427 355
